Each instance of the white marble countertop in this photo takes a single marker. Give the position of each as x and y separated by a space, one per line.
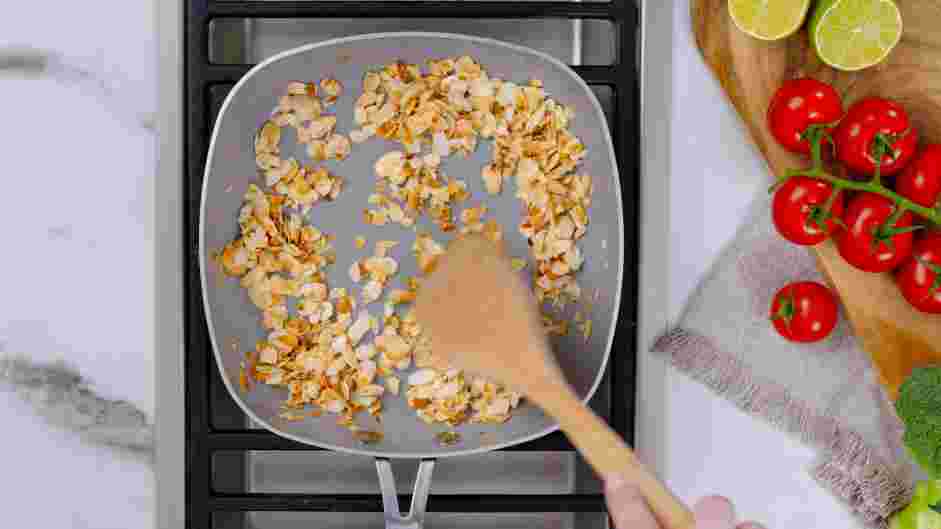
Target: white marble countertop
78 273
77 261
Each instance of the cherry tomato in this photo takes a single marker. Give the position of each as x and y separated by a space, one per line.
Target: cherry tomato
867 243
872 124
920 277
797 210
921 180
804 312
797 105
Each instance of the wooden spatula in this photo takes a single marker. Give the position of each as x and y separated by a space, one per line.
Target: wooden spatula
482 318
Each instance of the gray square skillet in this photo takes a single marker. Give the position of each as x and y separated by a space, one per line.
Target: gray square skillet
231 167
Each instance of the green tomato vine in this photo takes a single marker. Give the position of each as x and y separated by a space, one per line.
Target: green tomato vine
816 135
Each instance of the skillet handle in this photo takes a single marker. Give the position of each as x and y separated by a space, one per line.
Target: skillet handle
390 500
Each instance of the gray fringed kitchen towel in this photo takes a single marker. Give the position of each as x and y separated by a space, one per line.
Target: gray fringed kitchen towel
825 394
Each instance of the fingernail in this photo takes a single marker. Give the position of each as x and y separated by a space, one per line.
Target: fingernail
751 525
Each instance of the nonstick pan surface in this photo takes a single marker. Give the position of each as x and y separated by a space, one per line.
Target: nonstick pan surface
230 167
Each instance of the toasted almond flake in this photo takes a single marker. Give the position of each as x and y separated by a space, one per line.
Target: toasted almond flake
291 417
345 305
395 212
499 407
386 266
371 291
396 349
366 351
314 365
335 406
359 328
338 293
586 330
331 89
431 160
371 82
317 150
375 218
390 164
268 138
269 355
392 384
421 377
447 391
383 247
338 147
368 437
360 135
399 296
305 107
372 390
244 383
440 145
340 344
317 129
404 363
448 438
356 272
299 88
285 171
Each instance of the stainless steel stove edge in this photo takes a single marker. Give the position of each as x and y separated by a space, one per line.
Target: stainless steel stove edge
170 433
656 68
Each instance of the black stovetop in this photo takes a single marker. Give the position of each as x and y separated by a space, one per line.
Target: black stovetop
216 429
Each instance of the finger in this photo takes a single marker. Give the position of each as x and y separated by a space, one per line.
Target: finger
714 512
627 507
750 525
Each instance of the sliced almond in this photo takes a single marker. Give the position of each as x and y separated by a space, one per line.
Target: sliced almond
359 328
392 384
396 348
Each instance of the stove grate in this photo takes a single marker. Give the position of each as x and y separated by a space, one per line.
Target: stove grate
206 85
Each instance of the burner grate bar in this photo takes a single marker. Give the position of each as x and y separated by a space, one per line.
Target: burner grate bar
622 368
494 503
263 440
206 85
229 74
420 9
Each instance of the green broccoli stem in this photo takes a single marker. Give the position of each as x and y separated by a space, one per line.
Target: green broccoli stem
921 513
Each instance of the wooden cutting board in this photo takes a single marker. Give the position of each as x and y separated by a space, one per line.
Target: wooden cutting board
896 336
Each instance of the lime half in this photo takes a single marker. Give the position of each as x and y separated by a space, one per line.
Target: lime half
768 19
855 34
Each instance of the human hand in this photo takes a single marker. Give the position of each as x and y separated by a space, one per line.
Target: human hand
629 510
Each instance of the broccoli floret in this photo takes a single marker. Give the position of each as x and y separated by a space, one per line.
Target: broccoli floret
919 407
920 513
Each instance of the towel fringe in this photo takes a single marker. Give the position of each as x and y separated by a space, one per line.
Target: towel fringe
849 468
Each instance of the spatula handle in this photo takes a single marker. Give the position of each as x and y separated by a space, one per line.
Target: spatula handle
608 454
